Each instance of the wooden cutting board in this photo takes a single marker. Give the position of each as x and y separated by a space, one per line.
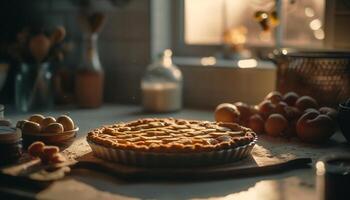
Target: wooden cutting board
270 155
245 167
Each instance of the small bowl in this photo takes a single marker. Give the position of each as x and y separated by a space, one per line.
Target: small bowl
62 140
3 73
344 120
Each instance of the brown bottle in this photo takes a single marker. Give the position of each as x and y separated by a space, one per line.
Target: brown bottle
89 80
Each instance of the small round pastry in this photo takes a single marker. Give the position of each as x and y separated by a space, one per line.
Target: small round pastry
331 112
274 97
275 125
66 122
50 150
290 98
47 121
245 112
57 158
36 149
256 123
306 102
29 127
292 112
53 128
266 108
36 118
48 153
227 112
280 108
314 127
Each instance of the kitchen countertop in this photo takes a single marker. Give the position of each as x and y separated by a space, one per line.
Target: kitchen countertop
93 185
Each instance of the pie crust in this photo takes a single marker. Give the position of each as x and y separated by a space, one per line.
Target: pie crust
172 135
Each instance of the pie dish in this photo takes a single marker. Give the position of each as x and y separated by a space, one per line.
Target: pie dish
171 142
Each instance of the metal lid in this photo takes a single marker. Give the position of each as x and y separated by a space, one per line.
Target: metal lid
9 134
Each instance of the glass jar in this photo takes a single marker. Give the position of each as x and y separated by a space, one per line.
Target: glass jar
162 85
2 110
90 76
333 177
33 87
10 144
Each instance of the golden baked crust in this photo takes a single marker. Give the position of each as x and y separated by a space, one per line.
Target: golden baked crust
172 135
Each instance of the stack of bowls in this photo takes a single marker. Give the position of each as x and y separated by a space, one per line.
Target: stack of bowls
344 119
3 73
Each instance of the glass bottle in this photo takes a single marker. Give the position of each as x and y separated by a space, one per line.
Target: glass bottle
33 87
90 75
161 85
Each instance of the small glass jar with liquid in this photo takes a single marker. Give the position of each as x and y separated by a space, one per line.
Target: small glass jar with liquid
10 144
162 85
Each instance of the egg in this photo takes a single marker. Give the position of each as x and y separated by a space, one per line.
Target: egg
227 112
66 122
53 128
20 124
275 125
306 102
274 97
36 118
47 121
290 98
266 108
29 127
315 127
245 112
256 123
280 108
331 112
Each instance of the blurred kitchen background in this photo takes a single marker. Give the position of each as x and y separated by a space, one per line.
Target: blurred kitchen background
222 47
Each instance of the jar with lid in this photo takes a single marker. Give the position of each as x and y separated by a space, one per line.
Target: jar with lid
10 144
161 85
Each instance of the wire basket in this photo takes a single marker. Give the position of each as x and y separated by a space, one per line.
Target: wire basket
322 75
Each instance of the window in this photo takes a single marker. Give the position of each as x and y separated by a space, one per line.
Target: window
205 23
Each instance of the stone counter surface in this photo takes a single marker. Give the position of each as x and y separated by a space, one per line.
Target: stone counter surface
87 184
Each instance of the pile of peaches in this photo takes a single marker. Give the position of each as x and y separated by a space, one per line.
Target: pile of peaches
287 115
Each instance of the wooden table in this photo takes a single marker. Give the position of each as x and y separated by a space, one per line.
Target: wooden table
87 184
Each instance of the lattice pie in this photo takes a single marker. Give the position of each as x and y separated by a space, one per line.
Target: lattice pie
166 137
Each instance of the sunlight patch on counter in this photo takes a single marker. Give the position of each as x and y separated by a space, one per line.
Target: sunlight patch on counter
247 63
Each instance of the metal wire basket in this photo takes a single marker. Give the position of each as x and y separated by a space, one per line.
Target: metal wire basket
322 75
